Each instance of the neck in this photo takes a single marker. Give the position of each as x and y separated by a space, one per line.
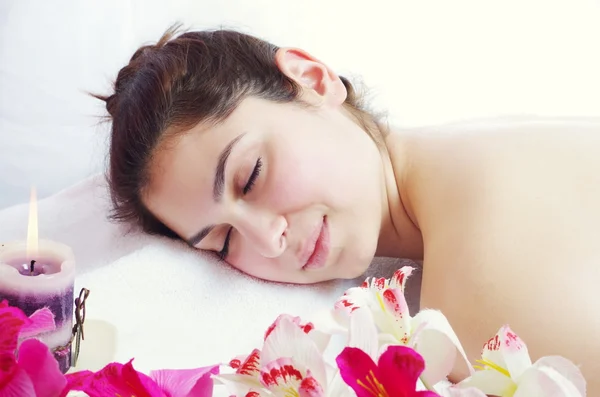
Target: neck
399 235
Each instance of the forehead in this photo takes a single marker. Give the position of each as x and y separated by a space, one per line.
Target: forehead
181 174
180 190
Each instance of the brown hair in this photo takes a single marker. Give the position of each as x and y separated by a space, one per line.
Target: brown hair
177 83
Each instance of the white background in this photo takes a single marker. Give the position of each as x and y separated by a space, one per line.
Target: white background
426 61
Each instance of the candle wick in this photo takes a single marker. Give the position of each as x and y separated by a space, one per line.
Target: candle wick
32 266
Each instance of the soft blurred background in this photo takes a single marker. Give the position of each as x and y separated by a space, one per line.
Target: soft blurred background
426 62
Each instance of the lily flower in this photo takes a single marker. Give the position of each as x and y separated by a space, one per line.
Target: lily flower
363 335
290 364
506 371
428 332
394 375
117 379
248 370
36 372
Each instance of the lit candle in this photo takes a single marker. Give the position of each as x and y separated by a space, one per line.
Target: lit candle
37 274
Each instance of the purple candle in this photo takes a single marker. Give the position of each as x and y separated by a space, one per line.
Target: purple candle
43 277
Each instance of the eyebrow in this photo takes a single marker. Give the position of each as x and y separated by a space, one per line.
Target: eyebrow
219 182
196 238
218 187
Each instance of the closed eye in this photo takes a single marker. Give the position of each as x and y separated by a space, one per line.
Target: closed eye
225 250
247 188
253 176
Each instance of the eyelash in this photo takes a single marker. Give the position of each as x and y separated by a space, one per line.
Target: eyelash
253 176
249 185
225 250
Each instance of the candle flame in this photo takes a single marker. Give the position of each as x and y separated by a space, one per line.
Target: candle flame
32 228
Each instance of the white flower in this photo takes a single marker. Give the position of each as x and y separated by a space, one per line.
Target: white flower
429 332
290 363
506 371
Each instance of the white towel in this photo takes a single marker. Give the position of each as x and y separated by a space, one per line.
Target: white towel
159 301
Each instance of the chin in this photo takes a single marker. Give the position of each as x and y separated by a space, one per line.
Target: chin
355 268
356 263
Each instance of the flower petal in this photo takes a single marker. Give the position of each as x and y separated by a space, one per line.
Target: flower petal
379 283
399 369
78 380
116 379
140 383
359 372
400 276
490 382
395 307
186 382
281 375
321 338
287 341
310 387
545 381
330 321
352 298
36 359
12 320
506 350
19 385
294 319
338 388
363 332
41 321
566 368
8 365
251 365
437 343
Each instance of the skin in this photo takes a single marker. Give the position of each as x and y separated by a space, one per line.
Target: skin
504 214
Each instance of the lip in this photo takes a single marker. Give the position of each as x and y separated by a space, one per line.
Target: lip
316 248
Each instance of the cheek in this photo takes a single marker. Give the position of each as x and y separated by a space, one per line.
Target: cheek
302 174
248 261
292 183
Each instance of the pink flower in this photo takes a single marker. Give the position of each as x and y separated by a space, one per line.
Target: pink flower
395 374
40 321
123 380
36 372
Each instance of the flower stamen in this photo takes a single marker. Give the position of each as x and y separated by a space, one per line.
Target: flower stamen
380 300
291 392
487 364
374 386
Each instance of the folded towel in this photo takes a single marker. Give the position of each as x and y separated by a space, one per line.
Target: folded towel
159 301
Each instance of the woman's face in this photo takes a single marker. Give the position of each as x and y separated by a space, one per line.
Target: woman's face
282 192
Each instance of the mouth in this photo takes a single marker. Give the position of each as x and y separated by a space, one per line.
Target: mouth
318 250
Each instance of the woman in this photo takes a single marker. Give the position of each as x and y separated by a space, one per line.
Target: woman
266 157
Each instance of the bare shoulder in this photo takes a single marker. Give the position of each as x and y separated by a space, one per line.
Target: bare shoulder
462 170
497 200
510 215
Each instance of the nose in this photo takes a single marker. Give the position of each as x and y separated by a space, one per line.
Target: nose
264 230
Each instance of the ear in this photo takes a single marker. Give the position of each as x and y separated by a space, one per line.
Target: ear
320 85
